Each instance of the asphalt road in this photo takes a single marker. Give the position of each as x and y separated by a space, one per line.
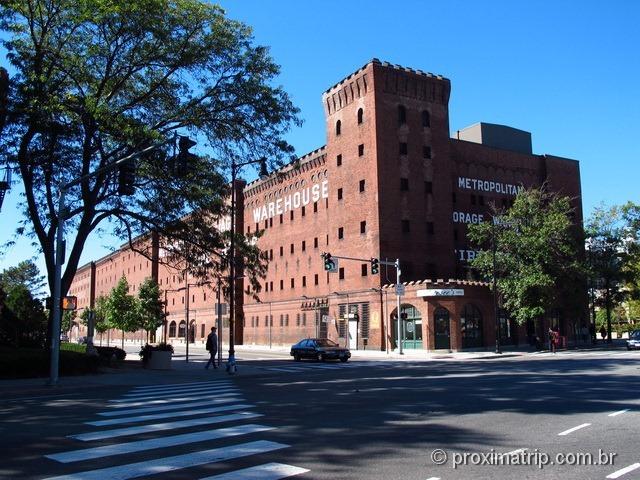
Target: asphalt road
360 420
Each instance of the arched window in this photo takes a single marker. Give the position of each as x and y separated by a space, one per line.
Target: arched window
172 329
471 326
360 116
338 127
426 119
182 328
402 115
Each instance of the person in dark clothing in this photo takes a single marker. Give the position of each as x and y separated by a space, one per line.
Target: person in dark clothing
603 333
212 347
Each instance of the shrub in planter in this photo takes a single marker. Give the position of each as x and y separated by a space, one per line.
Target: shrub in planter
148 349
110 353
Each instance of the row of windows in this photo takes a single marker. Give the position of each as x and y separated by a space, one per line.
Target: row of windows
403 149
268 286
480 200
425 118
301 320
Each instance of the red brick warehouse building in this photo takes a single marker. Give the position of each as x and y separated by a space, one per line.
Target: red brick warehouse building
389 183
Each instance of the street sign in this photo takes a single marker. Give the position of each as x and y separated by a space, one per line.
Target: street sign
400 290
441 292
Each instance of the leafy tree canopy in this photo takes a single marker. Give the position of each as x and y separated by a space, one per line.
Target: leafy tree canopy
93 81
22 320
121 309
151 308
536 252
26 273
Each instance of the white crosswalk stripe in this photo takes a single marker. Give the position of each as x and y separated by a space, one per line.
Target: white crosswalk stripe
204 401
168 464
149 396
268 471
201 404
157 427
187 413
302 367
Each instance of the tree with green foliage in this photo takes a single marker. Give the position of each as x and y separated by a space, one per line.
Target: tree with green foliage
121 309
98 80
25 273
22 321
151 307
537 256
68 319
100 323
606 259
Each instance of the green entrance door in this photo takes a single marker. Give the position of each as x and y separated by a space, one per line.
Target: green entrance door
412 327
441 328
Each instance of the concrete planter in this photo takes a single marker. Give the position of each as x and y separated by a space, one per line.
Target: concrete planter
160 360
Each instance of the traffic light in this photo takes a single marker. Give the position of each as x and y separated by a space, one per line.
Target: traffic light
69 303
329 263
184 157
127 177
375 266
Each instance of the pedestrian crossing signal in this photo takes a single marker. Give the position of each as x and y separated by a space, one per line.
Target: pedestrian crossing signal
375 266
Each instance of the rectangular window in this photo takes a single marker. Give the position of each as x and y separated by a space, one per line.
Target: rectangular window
297 319
339 194
481 199
316 279
303 211
403 148
281 284
404 184
426 152
315 242
281 320
361 150
281 250
453 197
271 254
286 320
266 224
430 228
406 228
473 199
363 269
271 286
363 226
271 222
281 218
304 245
266 321
341 273
292 248
361 186
315 207
339 160
455 233
291 215
428 187
304 281
304 319
293 283
340 233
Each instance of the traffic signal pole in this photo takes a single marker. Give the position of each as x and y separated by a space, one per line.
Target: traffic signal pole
398 272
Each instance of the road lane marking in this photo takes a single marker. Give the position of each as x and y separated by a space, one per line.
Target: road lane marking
185 413
174 385
619 412
433 478
165 400
153 443
156 427
567 432
621 472
168 464
202 401
515 452
268 471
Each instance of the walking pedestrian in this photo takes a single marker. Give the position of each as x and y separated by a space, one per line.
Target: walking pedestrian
553 340
212 347
603 333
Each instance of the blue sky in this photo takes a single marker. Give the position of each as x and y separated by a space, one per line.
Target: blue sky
566 71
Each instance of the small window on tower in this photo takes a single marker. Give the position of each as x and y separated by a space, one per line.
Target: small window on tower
361 150
403 148
426 119
404 184
338 127
360 116
340 233
426 151
361 186
339 194
402 115
339 160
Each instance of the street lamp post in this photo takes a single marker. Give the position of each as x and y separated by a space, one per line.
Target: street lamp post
495 289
